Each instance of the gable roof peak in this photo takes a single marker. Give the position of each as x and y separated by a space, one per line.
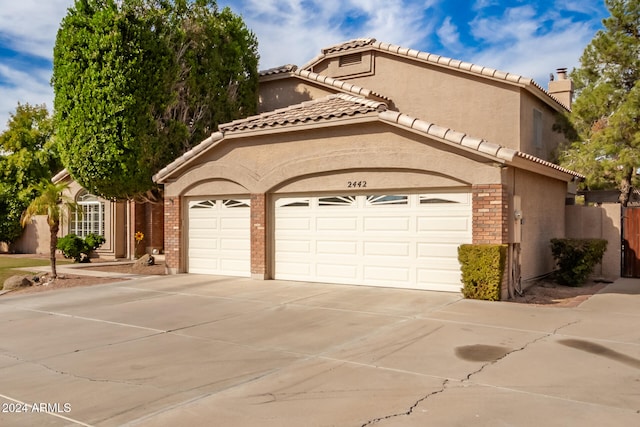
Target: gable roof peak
351 44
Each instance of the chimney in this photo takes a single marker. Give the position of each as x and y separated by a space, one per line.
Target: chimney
562 88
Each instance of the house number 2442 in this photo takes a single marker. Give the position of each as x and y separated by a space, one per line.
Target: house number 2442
356 184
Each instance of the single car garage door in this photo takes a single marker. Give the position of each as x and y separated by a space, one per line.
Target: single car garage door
219 240
396 240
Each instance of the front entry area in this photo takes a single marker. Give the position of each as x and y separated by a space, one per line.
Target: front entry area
394 240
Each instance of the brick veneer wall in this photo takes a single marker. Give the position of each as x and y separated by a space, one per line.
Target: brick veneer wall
490 214
258 236
172 234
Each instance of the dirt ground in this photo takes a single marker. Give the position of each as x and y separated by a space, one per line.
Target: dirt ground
543 292
547 292
71 281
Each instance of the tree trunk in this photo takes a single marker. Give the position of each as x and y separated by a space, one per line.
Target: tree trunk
52 248
626 188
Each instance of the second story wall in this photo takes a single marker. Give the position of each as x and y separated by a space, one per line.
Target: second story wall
537 135
283 91
494 109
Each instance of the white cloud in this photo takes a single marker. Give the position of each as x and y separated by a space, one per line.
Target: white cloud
516 42
449 36
304 27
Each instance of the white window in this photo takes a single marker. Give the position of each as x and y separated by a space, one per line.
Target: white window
89 219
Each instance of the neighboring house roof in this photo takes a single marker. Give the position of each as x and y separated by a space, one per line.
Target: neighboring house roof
438 60
332 108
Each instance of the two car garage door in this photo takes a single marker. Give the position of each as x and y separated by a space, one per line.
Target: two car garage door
398 240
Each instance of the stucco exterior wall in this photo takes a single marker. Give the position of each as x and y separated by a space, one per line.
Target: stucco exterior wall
598 222
280 93
35 238
326 159
541 203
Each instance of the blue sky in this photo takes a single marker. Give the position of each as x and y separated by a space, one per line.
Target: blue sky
531 38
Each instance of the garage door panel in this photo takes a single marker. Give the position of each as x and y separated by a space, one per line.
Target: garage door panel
395 249
235 244
294 224
293 270
444 279
387 225
199 246
197 225
336 247
231 225
387 274
436 250
442 224
337 224
337 271
294 247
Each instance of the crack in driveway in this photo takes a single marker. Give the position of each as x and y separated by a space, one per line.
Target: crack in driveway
447 382
411 408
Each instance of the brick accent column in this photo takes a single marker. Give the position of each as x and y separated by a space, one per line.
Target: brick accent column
172 235
490 214
258 236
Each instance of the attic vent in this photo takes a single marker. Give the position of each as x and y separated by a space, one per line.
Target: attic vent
354 58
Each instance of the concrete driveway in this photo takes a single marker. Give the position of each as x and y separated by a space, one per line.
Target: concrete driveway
203 350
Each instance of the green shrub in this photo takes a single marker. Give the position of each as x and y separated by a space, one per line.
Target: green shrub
576 259
482 269
73 246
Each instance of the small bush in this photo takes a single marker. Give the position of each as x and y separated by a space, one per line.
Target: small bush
73 246
576 259
482 269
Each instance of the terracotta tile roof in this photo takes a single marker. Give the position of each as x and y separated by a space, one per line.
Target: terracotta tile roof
469 142
549 164
439 60
323 109
289 68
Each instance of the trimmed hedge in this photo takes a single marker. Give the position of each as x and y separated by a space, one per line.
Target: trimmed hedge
576 259
482 269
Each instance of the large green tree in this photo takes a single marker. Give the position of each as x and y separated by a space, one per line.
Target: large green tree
139 82
28 155
606 112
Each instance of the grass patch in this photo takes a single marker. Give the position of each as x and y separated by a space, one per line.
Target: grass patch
9 263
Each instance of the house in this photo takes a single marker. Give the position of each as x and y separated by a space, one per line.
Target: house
370 165
116 221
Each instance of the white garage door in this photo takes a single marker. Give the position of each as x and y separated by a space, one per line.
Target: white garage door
399 240
219 240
